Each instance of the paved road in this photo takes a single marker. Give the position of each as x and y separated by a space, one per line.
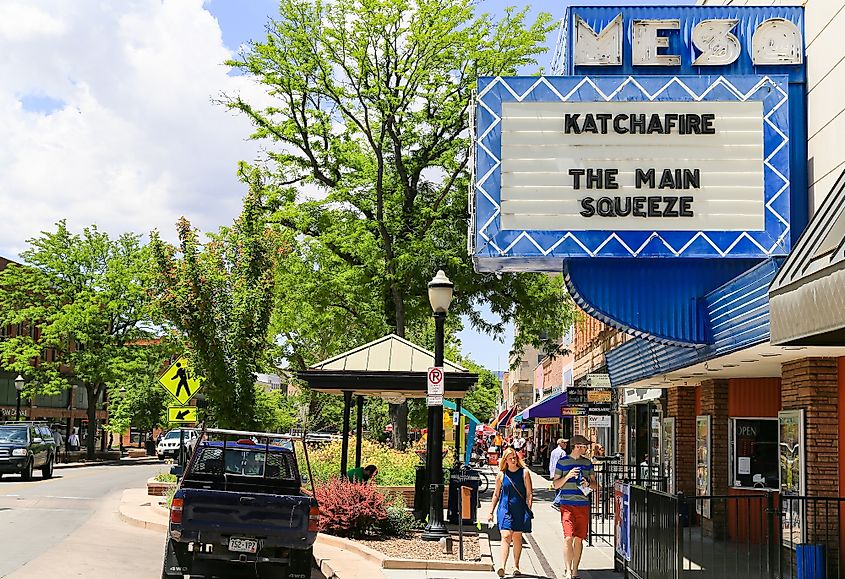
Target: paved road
68 526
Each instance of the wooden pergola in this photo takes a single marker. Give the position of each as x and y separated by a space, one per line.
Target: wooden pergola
390 367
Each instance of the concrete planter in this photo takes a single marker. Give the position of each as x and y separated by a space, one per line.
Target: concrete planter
158 488
407 493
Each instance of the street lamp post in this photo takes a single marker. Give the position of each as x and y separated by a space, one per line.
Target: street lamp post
440 297
19 384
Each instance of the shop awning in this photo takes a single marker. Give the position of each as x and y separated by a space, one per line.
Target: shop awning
548 407
807 298
505 418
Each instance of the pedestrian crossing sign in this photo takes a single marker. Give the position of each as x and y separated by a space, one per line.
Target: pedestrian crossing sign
181 381
181 414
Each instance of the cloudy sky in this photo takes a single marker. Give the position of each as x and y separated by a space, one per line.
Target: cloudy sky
107 117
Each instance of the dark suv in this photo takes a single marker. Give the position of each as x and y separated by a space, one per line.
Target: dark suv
24 447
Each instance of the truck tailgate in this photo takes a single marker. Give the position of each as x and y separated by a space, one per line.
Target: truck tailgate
214 515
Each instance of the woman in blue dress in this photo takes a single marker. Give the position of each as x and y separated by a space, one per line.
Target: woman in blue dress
512 504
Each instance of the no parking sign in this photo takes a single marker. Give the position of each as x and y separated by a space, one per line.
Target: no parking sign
435 386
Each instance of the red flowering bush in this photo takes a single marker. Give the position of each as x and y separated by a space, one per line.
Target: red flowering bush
350 509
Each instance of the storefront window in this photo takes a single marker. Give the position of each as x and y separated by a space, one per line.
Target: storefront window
754 452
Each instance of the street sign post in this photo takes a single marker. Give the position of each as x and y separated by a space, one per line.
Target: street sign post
180 381
181 414
435 381
434 400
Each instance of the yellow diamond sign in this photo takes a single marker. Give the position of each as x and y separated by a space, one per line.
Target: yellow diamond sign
181 381
181 413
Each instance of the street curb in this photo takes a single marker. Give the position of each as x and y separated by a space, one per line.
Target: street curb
324 565
62 466
129 519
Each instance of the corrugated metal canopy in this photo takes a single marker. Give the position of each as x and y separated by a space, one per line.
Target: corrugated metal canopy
808 295
388 354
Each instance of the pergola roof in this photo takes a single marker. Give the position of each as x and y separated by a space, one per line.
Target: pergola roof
388 354
387 366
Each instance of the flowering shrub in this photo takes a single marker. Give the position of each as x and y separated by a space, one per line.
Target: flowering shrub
350 509
395 468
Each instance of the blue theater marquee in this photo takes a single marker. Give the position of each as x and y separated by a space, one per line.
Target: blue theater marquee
671 136
666 161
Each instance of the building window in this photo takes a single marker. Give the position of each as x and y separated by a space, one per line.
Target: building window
754 453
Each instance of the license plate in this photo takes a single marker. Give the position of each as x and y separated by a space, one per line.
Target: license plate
240 545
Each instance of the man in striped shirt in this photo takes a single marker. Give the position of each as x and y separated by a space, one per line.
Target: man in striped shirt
574 480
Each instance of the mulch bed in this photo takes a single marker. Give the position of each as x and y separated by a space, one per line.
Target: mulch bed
415 548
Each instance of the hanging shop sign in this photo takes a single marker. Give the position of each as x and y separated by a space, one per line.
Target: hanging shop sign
547 420
598 380
598 421
619 159
573 411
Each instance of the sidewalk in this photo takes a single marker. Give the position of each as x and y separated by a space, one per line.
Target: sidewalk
123 460
542 556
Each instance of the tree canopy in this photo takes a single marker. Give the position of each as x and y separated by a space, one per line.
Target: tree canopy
218 296
81 309
367 139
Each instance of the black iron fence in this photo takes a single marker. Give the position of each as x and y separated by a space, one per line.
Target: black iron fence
743 535
609 472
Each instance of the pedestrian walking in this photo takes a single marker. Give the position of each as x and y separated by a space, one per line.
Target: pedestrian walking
558 452
512 502
575 481
529 451
73 441
519 445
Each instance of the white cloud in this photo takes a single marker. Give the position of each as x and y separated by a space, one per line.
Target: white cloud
138 141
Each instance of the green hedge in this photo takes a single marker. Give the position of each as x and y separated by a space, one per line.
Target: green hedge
395 468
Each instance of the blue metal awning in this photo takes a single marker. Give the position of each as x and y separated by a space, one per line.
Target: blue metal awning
548 407
737 312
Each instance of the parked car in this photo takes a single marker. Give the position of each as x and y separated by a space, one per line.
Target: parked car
25 446
169 445
239 509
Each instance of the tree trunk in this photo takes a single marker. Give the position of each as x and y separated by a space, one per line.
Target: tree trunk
399 412
91 438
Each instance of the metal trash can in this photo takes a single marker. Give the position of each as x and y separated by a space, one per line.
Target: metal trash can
810 561
421 493
463 477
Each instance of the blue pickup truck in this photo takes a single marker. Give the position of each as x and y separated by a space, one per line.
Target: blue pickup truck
239 511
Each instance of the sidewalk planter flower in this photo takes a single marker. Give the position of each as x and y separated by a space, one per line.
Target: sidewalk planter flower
159 488
350 510
395 468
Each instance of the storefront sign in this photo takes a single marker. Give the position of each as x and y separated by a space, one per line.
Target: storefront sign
599 395
573 411
637 395
774 41
617 158
12 412
554 420
598 421
598 380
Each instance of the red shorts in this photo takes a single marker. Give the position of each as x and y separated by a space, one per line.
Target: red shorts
575 520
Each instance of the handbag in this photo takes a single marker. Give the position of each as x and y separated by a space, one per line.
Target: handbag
529 514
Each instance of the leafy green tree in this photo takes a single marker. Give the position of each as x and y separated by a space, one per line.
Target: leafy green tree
219 295
368 151
81 306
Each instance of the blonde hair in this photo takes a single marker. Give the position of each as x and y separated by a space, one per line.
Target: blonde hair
503 462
